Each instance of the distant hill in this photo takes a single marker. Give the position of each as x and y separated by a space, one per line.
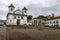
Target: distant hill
2 20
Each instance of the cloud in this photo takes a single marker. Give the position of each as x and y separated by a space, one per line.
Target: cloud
35 7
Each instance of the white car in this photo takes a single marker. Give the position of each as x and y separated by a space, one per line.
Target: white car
29 23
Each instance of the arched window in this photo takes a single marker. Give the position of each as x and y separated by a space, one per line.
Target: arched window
14 17
11 9
57 21
50 22
18 16
34 21
54 22
21 17
10 21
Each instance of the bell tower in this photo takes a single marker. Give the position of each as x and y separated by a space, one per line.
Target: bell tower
24 10
11 8
53 15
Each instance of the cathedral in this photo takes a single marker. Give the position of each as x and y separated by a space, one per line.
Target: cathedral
16 17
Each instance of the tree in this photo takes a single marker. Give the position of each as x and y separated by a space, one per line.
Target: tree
39 17
29 17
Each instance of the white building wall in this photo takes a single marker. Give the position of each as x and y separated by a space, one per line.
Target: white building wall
10 17
11 22
21 22
14 21
59 22
52 24
25 19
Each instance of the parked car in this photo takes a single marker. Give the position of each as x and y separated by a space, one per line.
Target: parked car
30 24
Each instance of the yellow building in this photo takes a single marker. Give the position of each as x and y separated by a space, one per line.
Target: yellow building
49 17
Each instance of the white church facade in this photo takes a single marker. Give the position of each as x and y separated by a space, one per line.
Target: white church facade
17 17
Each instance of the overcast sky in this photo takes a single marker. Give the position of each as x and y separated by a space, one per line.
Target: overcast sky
35 7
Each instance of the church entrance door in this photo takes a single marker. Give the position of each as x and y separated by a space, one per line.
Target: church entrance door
18 22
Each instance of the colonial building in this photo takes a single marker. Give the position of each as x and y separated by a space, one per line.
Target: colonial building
36 21
40 21
50 16
53 22
16 17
